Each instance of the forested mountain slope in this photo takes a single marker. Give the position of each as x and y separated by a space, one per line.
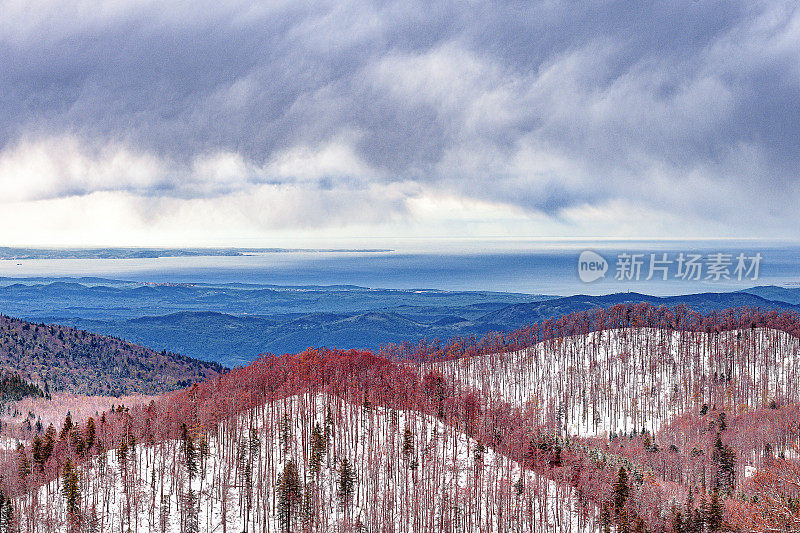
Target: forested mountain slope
315 462
635 418
627 380
70 360
233 323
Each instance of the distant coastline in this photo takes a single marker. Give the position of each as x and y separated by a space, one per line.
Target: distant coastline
25 254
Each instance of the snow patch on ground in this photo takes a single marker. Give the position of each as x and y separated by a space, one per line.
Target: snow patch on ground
634 378
444 483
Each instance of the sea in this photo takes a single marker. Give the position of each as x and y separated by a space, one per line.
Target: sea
522 266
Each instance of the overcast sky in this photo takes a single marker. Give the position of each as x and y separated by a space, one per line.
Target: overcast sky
307 122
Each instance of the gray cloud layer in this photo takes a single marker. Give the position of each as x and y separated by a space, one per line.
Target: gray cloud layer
688 108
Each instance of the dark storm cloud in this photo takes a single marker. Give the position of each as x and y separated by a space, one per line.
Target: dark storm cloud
545 105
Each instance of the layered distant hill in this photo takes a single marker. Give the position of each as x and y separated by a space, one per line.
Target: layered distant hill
517 315
74 361
233 323
236 339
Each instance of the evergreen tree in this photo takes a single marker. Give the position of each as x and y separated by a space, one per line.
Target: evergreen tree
367 405
623 524
698 522
66 428
725 460
621 489
702 513
255 443
90 434
70 490
556 459
346 483
23 464
13 388
477 455
714 512
308 505
49 443
647 440
245 466
689 511
78 444
519 486
38 453
163 518
408 443
189 452
191 522
122 453
203 449
290 494
317 449
690 524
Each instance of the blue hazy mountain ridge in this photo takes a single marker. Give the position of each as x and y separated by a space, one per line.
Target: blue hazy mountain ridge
123 300
233 323
527 313
778 294
236 340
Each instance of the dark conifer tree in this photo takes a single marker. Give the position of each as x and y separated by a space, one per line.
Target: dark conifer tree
317 449
90 433
408 443
189 452
48 443
38 453
191 523
346 483
66 427
714 512
290 494
23 464
725 460
621 489
70 490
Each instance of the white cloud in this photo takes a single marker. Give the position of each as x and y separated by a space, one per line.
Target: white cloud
345 118
335 159
63 166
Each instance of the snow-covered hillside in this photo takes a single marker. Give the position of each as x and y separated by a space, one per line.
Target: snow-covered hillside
10 443
637 378
412 473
